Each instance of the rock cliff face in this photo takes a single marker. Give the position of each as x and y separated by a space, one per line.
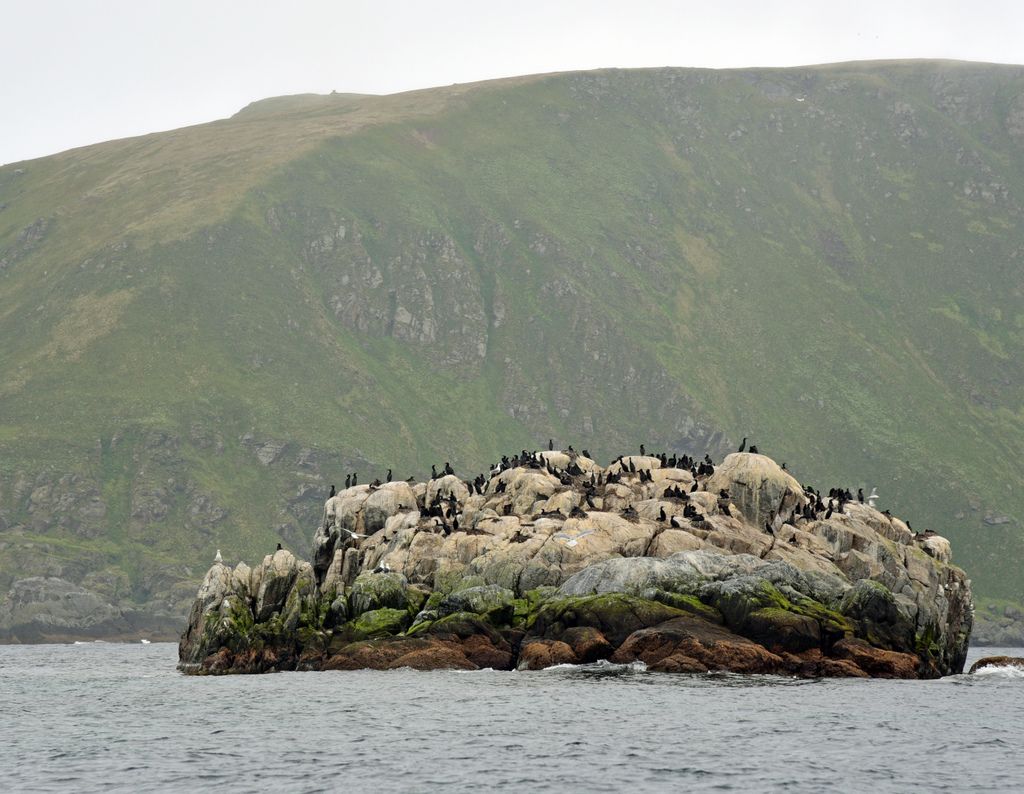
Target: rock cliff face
555 559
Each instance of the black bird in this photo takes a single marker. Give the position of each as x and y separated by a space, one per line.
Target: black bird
743 446
642 452
348 480
860 495
661 515
753 449
693 487
586 454
448 468
551 444
355 477
387 477
279 547
433 471
674 521
332 492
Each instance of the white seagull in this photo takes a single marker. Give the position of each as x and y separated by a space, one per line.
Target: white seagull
218 559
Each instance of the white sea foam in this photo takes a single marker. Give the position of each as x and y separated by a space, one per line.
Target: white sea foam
1008 671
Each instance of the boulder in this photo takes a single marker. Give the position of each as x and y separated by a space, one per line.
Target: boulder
377 591
998 661
758 486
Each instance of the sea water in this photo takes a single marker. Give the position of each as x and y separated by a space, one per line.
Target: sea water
117 717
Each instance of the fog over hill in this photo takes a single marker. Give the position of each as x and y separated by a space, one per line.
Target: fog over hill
201 330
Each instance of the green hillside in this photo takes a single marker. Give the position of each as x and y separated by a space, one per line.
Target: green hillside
200 330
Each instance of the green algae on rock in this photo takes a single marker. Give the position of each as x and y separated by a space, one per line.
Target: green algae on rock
558 560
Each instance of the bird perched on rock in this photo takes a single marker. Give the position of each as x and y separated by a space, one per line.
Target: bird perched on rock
348 480
333 491
753 449
218 558
743 446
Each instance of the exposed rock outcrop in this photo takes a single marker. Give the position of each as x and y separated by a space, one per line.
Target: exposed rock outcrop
555 559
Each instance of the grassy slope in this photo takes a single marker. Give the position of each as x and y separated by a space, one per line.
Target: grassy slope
789 254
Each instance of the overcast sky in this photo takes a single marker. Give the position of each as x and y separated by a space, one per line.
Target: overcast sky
80 71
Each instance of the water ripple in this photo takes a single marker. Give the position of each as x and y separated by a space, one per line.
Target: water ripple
94 718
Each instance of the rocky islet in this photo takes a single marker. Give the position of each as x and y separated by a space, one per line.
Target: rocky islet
549 562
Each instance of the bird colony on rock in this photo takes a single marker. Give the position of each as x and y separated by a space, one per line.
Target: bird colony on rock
675 562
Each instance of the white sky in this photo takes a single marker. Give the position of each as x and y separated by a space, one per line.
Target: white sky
74 72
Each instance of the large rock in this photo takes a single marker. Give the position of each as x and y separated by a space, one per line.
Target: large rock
758 486
545 569
38 609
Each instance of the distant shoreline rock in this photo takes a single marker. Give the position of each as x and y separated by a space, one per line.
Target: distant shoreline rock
556 559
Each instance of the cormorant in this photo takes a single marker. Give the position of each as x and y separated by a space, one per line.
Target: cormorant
642 452
693 487
332 492
355 477
860 495
551 444
348 480
661 515
743 446
674 521
586 454
278 547
433 471
387 477
753 449
448 468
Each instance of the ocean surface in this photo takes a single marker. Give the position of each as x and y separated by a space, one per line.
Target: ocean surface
118 717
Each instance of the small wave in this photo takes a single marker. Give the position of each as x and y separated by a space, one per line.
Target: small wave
1005 671
602 666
